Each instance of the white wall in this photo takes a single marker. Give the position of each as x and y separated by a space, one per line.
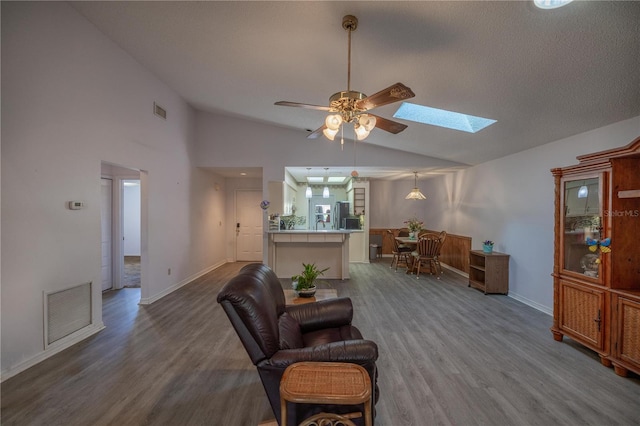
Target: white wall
71 98
511 201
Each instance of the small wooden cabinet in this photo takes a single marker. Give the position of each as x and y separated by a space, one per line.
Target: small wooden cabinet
596 273
489 272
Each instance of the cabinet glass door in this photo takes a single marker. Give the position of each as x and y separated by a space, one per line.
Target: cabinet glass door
582 227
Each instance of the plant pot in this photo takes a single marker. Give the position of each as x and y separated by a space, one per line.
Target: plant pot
307 292
487 248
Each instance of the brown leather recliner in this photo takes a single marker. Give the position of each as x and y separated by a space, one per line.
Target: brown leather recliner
276 336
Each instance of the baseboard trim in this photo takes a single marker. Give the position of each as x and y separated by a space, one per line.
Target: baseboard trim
51 351
529 302
156 297
457 271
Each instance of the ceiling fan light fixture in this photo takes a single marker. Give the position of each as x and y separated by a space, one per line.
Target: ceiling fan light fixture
333 121
367 121
361 132
330 134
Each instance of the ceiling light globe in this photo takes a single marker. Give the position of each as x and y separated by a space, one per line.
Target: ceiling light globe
367 121
333 121
361 132
330 134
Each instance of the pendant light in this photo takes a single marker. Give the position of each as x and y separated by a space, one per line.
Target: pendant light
325 191
308 193
415 193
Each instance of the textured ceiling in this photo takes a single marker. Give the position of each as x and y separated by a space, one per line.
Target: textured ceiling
544 75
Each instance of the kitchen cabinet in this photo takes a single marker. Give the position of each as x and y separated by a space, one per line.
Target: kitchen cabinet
596 276
358 201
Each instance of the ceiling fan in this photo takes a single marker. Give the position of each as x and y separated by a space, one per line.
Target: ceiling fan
352 107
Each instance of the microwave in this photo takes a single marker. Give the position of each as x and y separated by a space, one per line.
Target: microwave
351 223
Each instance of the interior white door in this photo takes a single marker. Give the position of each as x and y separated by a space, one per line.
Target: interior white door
106 194
248 226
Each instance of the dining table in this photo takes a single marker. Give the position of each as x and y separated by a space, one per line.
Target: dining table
411 243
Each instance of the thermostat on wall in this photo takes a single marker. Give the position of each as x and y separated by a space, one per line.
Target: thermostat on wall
76 205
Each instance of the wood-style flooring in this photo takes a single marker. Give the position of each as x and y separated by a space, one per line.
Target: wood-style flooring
449 355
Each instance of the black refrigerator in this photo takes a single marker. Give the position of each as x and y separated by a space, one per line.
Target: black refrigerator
340 212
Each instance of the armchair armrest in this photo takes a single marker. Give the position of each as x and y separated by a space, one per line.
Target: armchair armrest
355 351
322 314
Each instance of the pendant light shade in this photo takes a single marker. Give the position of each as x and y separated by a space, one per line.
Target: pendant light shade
308 193
325 191
415 193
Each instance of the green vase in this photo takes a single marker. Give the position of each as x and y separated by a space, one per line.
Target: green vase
487 248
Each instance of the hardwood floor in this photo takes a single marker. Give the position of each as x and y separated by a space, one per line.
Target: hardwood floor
448 355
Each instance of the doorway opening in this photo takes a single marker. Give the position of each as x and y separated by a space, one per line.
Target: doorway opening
122 219
131 232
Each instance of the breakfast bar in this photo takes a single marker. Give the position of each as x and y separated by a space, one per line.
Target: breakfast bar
288 250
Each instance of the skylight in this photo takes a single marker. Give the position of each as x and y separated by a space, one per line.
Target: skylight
315 179
336 179
442 118
551 4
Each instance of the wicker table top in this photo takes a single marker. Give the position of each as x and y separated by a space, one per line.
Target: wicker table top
325 383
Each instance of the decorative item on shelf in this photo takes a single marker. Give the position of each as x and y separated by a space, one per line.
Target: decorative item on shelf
414 225
603 245
487 246
304 284
264 205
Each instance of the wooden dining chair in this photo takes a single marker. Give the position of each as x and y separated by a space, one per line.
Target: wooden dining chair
400 253
427 252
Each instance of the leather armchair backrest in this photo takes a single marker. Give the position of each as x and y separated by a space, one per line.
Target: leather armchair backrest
251 300
269 279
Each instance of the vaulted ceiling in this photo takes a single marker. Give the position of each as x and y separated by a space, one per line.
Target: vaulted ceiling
543 75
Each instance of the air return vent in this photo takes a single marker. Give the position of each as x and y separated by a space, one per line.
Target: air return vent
159 111
66 312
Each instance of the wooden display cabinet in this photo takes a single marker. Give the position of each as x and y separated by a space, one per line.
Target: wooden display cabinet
596 270
489 272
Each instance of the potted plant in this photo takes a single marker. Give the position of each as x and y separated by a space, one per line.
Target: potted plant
487 246
304 283
414 225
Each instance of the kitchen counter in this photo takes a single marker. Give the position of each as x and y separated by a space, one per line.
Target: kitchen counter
313 231
327 248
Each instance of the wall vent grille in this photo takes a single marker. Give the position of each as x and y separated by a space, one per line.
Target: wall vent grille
66 311
159 111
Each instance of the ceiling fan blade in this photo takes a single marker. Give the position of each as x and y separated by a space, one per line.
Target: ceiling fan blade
317 133
389 125
391 94
299 105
